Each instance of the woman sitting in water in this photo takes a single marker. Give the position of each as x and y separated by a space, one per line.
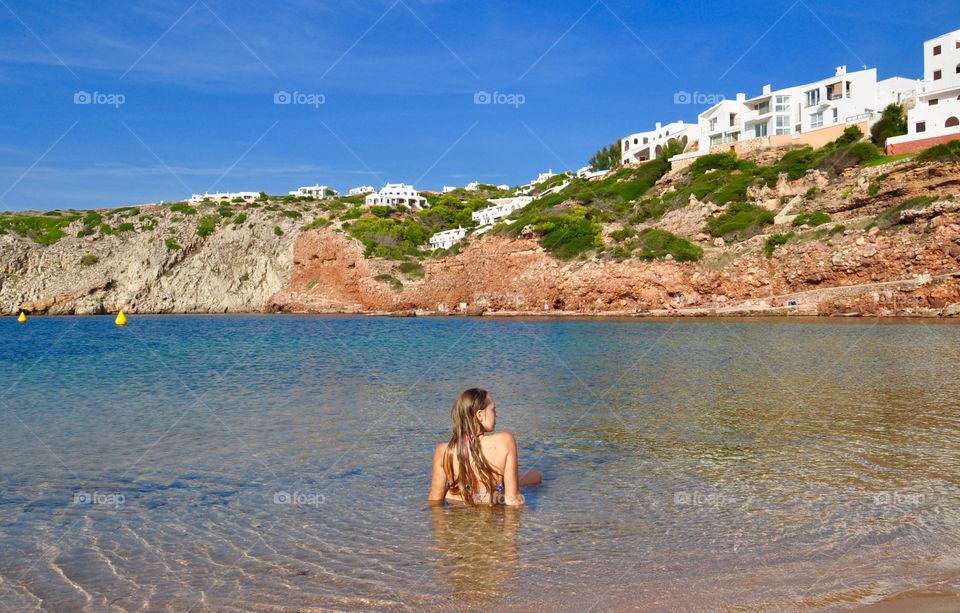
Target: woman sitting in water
478 461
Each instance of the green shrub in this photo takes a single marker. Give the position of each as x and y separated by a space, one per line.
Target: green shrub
351 214
570 234
183 207
381 211
106 229
945 151
172 245
654 243
607 157
624 234
293 214
891 216
319 222
278 230
44 230
775 241
126 227
89 259
874 189
225 211
394 282
207 224
741 220
893 122
815 218
413 269
239 219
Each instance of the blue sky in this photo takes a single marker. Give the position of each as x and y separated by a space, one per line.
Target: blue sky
398 79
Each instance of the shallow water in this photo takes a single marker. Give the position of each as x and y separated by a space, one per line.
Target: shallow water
280 462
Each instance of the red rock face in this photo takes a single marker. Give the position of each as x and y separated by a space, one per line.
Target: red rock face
330 274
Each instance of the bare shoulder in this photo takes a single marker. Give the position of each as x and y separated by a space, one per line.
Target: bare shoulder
502 439
440 449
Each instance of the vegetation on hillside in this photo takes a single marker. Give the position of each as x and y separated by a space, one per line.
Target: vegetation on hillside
893 122
607 158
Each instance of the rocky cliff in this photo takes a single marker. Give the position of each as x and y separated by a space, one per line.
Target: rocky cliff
298 257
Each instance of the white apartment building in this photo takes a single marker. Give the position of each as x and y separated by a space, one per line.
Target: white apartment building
502 207
812 114
225 196
397 194
447 238
314 191
935 118
644 146
363 189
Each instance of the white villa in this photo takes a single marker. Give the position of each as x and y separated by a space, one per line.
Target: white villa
363 189
502 207
472 186
812 114
448 188
503 187
644 146
225 196
397 194
543 176
586 173
315 191
935 118
447 238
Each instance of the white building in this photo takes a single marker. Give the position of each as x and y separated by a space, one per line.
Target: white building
502 207
503 187
644 146
363 189
543 176
812 114
586 173
225 196
472 186
935 118
447 238
314 191
448 188
397 194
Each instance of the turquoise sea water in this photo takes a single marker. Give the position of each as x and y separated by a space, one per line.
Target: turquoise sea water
282 462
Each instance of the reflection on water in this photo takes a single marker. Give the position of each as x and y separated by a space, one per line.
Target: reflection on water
283 462
478 549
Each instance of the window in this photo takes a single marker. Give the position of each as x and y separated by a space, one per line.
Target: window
937 75
713 124
921 126
937 50
635 141
934 101
836 115
835 91
816 120
952 122
645 140
958 68
782 104
813 97
783 124
733 120
760 130
764 107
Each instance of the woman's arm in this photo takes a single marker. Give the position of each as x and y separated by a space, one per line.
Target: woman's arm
438 482
511 478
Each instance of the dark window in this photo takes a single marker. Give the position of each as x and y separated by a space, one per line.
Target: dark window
952 122
635 141
958 68
937 50
921 126
934 101
937 75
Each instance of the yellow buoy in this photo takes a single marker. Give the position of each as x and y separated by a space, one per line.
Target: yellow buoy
121 319
23 318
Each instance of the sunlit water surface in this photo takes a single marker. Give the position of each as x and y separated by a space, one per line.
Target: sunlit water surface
281 463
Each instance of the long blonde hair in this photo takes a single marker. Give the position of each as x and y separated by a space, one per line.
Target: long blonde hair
464 449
